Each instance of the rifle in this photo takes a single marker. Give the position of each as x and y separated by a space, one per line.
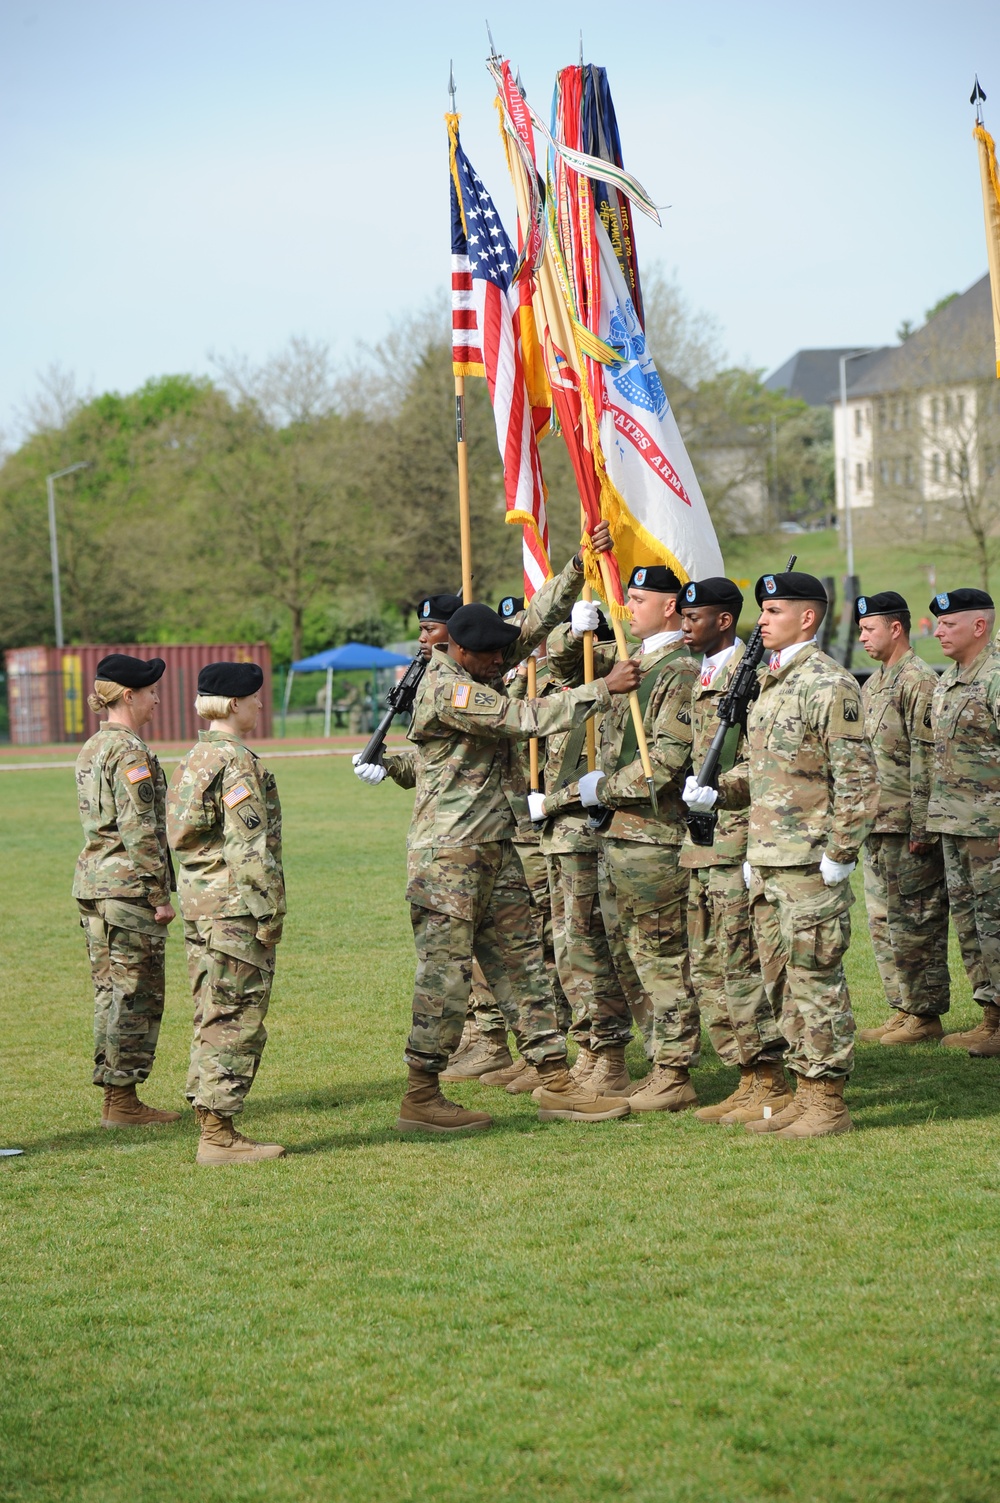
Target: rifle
399 701
734 706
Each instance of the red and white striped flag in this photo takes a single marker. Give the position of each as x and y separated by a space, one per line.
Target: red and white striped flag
486 341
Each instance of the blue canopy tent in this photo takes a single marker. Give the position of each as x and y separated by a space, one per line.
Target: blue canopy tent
353 655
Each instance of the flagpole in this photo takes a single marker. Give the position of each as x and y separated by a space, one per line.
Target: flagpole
588 667
633 699
464 516
533 742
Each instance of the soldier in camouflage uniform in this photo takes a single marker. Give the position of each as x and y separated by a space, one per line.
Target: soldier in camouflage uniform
467 892
122 885
725 967
905 890
810 784
224 824
602 1023
643 888
964 803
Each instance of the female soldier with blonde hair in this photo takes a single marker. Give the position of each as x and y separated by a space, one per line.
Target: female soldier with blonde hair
122 884
224 823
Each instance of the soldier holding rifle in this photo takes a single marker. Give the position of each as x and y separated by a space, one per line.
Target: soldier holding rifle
725 968
811 786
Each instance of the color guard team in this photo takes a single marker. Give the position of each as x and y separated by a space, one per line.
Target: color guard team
579 913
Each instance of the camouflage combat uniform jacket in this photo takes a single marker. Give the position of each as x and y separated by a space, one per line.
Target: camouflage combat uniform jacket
470 782
965 776
810 779
224 822
897 704
570 830
729 847
122 796
667 722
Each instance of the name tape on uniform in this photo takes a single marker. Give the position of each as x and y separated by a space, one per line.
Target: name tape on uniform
236 795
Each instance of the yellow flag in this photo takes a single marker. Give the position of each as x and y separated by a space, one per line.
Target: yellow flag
991 211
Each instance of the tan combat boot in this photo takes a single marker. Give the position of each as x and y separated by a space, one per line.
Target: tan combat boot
873 1035
825 1113
124 1109
524 1082
796 1108
506 1075
981 1034
487 1053
561 1099
220 1143
769 1089
106 1102
424 1109
584 1065
988 1049
665 1089
737 1098
610 1076
913 1029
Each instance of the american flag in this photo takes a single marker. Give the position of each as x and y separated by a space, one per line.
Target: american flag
486 341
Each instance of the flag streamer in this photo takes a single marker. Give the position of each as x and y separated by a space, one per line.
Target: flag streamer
991 211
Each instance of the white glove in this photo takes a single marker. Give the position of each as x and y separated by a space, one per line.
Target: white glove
536 806
747 875
833 872
368 772
584 617
698 798
590 780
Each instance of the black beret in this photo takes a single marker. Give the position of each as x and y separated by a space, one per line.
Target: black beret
131 673
230 680
888 603
960 600
655 577
438 608
793 586
510 606
713 591
478 629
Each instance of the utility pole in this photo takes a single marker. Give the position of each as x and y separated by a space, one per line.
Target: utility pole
50 480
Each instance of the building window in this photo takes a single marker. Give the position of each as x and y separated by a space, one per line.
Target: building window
897 421
909 469
960 404
859 477
881 416
989 460
857 421
906 412
883 472
897 473
936 467
935 411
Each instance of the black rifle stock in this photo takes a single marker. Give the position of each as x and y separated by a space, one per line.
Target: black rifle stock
399 701
733 708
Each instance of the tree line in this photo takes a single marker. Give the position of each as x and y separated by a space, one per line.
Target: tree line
305 504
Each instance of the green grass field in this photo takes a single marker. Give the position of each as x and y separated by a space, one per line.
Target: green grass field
651 1310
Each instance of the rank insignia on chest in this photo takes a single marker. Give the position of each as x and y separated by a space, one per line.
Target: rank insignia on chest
460 695
250 818
137 774
236 796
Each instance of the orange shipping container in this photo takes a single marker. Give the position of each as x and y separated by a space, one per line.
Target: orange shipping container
47 689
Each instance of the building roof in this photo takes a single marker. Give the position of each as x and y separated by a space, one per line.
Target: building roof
812 376
955 345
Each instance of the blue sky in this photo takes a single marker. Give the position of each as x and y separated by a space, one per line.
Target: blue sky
181 178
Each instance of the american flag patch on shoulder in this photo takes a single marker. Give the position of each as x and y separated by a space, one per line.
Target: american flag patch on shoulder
236 795
136 774
460 696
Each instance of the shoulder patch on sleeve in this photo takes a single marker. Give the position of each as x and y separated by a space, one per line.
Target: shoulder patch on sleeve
460 696
846 718
476 699
136 774
236 795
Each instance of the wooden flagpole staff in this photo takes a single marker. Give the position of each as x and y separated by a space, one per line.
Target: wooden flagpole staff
533 742
633 699
464 519
588 668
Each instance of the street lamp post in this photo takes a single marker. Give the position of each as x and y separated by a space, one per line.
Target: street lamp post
50 480
845 466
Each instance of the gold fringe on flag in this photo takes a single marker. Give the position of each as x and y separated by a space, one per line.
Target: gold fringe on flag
991 212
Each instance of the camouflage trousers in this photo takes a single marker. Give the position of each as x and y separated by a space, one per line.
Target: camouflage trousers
643 891
495 1013
127 948
972 868
600 1013
473 901
231 976
725 969
803 929
907 901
